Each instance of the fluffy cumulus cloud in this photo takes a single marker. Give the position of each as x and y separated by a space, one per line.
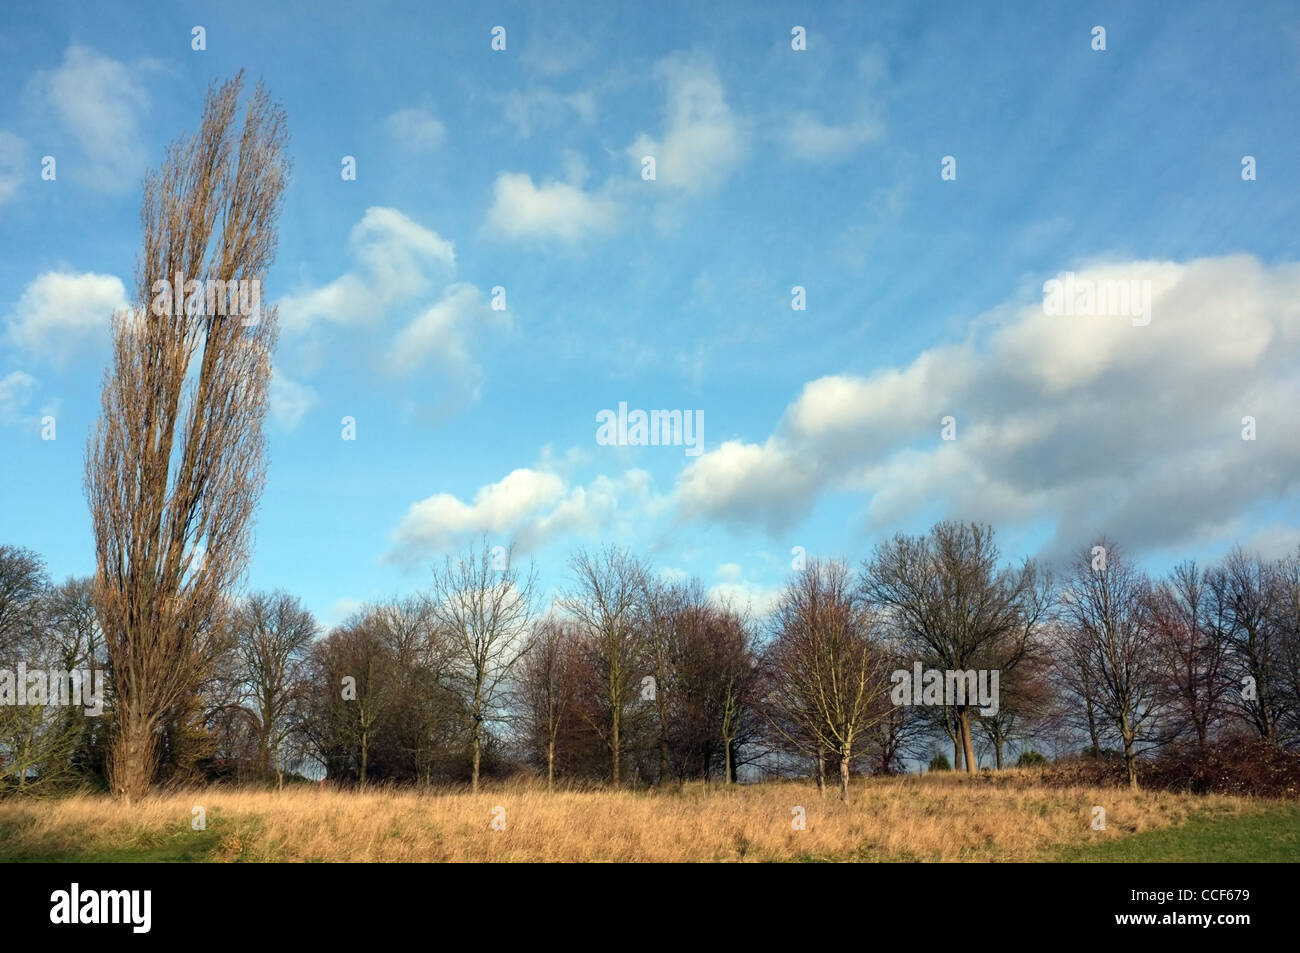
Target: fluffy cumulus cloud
399 302
396 259
553 210
529 506
1098 423
60 313
702 140
439 331
99 102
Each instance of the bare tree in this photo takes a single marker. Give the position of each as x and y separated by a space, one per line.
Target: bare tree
605 605
1106 605
546 688
730 680
1286 625
176 463
951 604
274 631
483 605
1244 590
420 711
1187 624
22 582
828 670
369 682
30 735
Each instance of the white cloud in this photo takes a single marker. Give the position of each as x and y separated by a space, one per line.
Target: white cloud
529 506
747 597
60 312
738 482
403 277
1091 423
399 259
1275 541
100 102
807 137
539 108
16 391
440 331
522 210
417 128
290 400
702 140
437 522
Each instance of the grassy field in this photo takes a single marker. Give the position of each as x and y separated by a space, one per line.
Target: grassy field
1003 817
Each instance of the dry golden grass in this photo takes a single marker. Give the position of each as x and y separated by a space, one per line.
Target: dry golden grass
1008 816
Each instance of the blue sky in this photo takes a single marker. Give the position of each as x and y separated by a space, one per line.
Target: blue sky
522 169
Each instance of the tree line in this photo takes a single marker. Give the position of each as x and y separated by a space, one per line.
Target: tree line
625 678
629 678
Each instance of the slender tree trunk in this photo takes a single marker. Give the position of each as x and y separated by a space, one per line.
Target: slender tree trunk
550 764
615 748
821 771
365 742
726 770
844 773
966 741
1130 761
478 755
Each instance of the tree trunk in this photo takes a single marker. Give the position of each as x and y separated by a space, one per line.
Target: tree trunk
133 756
365 741
550 764
844 774
821 772
614 747
1130 762
478 757
726 770
966 742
